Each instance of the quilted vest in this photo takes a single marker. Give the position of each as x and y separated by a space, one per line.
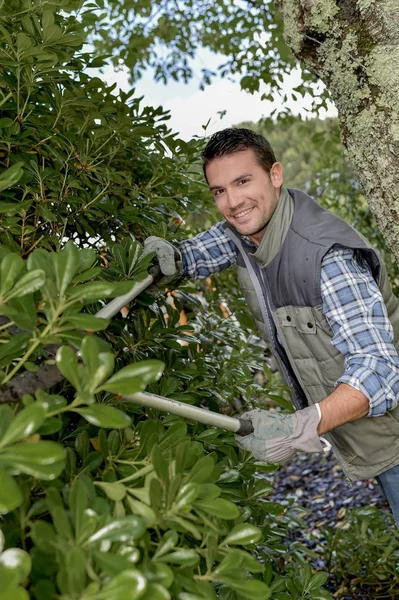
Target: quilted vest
281 283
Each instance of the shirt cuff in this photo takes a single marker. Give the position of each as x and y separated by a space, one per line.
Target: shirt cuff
380 396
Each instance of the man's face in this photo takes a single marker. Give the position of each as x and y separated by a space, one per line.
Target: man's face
244 193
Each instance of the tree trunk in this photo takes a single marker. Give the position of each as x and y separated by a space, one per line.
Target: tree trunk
353 47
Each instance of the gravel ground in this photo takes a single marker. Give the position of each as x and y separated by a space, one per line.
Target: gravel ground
319 486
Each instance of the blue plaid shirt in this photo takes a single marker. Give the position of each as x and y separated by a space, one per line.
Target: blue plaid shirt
352 305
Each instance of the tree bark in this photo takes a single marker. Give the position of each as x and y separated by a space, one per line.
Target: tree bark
353 47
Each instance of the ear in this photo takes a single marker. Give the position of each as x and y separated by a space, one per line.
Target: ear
276 175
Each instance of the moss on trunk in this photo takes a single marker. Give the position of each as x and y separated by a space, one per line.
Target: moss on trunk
353 47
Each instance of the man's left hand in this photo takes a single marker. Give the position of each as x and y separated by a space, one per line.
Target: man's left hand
276 437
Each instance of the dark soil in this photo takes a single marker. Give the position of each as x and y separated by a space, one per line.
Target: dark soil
319 486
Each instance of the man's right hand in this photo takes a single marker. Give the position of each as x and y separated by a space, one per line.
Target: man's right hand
168 259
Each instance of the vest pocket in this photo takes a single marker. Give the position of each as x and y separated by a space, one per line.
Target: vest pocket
300 317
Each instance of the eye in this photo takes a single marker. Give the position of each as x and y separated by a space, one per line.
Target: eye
217 192
242 181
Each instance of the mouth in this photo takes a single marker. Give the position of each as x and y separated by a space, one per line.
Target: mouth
243 213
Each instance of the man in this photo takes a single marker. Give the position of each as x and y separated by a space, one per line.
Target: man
321 299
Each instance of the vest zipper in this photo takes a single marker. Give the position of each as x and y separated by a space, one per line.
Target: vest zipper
268 315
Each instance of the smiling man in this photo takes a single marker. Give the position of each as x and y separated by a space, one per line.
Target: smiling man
319 295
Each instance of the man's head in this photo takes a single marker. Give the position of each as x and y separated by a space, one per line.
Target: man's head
244 178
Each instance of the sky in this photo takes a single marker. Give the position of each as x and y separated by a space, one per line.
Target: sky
192 108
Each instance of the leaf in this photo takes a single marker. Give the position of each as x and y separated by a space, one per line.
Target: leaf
318 580
134 378
242 534
30 282
184 557
67 364
86 322
94 290
224 509
142 510
128 585
13 348
44 460
17 560
24 424
115 491
11 176
160 464
105 416
78 502
168 541
10 494
123 529
187 494
155 591
66 263
17 593
251 589
10 268
44 536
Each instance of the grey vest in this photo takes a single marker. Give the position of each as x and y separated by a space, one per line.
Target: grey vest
281 282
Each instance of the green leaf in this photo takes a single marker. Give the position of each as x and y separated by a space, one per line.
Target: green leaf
224 509
94 290
11 176
78 502
134 378
185 556
242 534
167 542
318 580
155 591
75 570
251 589
86 322
30 282
66 263
44 536
160 464
123 529
115 491
67 364
14 347
17 560
24 424
10 494
17 593
128 585
10 268
105 416
44 460
142 510
187 494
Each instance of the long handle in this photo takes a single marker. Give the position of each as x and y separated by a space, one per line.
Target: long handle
239 426
116 304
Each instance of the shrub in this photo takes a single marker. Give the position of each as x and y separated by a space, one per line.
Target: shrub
99 498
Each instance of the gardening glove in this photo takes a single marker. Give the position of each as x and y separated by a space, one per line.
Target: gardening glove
276 438
168 259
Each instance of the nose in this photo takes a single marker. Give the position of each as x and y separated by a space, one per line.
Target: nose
234 199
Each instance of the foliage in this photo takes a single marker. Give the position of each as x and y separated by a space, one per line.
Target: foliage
363 553
100 499
165 36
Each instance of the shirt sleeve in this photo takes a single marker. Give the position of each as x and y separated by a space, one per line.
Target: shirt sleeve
355 310
207 253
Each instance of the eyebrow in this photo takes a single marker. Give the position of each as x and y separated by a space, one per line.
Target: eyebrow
218 187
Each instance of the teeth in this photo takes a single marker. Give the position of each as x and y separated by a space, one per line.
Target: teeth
242 214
